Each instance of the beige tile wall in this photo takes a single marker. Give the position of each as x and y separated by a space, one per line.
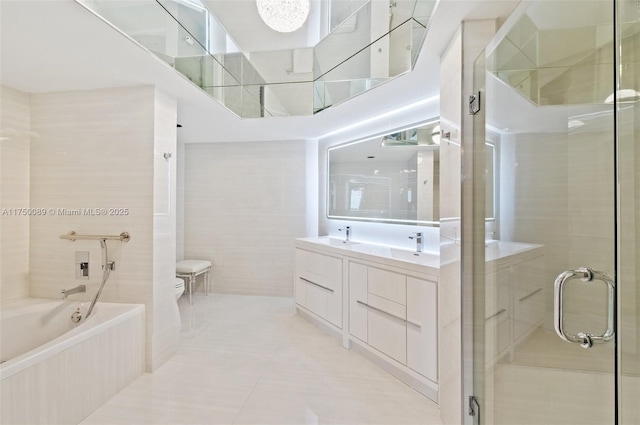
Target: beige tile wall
166 317
95 149
244 205
449 308
14 193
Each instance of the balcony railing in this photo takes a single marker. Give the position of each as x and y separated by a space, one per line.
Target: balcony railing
376 43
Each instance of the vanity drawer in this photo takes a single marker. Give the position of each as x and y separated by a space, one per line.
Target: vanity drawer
389 285
313 266
387 330
319 285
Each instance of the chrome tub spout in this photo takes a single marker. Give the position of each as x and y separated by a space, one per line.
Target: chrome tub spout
78 289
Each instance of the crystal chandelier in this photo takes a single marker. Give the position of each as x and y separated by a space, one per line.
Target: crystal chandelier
283 15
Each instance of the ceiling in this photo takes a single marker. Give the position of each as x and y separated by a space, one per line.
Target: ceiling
58 45
241 19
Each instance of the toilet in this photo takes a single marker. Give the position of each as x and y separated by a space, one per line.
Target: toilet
179 288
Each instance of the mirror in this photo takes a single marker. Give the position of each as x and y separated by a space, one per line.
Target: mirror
392 177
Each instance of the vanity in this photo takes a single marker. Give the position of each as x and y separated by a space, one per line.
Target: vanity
390 304
379 300
515 292
383 301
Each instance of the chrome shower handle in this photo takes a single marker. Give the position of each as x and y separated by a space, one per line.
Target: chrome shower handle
586 340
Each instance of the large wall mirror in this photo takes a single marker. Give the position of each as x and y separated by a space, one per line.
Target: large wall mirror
391 177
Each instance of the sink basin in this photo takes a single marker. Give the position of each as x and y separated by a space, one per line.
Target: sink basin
423 258
340 243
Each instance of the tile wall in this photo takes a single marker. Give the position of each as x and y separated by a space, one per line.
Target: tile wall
166 317
14 193
94 150
244 204
449 308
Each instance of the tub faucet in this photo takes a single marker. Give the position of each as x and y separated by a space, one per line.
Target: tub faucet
66 292
347 233
419 241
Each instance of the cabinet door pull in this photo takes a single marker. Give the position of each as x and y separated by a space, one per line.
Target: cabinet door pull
316 284
414 324
530 295
504 310
381 311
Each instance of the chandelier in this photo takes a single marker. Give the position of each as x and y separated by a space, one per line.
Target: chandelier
283 15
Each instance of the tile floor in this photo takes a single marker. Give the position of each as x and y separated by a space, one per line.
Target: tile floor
249 360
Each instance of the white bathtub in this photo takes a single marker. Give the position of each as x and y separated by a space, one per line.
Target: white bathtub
55 371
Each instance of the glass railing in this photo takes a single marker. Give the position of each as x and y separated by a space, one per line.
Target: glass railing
546 71
377 42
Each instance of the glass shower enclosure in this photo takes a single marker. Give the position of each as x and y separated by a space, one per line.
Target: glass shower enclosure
556 329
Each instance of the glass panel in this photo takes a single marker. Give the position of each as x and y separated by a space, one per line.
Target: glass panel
193 18
372 25
386 58
330 93
628 109
375 40
555 154
341 10
478 289
289 99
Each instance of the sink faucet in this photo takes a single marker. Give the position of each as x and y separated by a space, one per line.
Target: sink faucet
347 233
66 292
419 241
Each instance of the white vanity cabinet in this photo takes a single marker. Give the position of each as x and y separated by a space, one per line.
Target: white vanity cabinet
319 285
498 311
395 314
386 305
358 312
514 300
389 306
422 327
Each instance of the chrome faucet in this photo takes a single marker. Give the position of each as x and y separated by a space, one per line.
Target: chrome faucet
419 241
78 289
347 233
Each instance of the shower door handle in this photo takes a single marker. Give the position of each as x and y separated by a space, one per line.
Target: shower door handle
586 340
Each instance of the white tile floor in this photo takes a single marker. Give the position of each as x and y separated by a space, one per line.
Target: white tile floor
248 360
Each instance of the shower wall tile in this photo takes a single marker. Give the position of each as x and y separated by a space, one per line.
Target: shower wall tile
552 212
166 317
449 292
14 193
92 151
180 154
95 149
244 205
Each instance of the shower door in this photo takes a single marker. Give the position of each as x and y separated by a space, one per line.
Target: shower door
556 328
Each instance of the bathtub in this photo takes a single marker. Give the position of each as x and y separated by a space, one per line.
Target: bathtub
56 371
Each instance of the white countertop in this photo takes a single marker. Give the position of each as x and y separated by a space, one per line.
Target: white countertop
495 250
377 253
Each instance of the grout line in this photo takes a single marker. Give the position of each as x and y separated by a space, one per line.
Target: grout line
256 384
